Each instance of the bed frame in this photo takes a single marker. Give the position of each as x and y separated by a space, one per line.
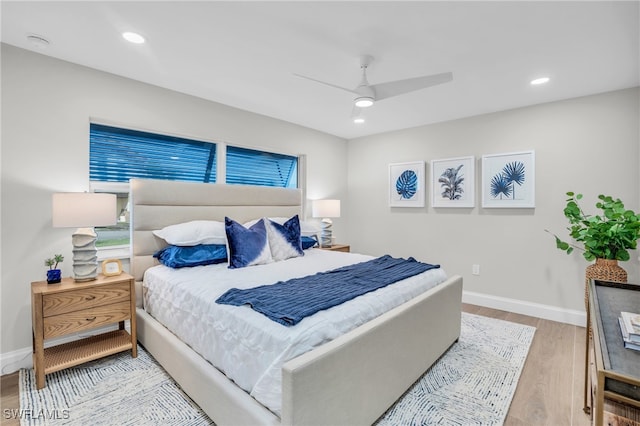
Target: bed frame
351 380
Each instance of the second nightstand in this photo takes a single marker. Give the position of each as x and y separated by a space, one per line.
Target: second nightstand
338 247
69 307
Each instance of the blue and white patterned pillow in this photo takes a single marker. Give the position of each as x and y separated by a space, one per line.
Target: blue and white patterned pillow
284 239
247 247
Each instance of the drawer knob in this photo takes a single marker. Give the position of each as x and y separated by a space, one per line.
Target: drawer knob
89 298
91 319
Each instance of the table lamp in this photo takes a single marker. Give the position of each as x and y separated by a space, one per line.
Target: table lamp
326 209
84 210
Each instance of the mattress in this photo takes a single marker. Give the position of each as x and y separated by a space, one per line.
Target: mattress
246 346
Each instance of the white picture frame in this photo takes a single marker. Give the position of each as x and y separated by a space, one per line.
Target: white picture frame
508 180
406 184
453 182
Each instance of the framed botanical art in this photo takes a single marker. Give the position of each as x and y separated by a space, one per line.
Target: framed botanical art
406 184
508 180
453 182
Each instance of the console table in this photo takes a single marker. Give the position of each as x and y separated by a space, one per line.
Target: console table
615 374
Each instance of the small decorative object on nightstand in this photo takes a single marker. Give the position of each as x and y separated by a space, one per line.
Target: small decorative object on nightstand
84 210
338 247
326 209
54 275
111 267
69 307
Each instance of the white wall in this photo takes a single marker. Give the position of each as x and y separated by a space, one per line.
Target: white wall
46 108
588 145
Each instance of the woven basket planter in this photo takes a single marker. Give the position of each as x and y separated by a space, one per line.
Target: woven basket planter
603 270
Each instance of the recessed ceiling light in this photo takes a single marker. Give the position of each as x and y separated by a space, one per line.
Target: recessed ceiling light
133 37
357 115
541 80
37 41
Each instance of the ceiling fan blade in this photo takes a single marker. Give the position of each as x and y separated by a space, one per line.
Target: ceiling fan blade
399 87
325 83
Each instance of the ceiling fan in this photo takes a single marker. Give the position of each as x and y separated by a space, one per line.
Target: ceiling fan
367 94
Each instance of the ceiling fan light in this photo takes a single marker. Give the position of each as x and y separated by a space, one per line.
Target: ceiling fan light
364 102
357 115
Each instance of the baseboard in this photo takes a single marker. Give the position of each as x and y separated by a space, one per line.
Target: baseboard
11 362
553 313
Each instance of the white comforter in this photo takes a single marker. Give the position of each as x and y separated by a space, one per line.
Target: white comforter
247 346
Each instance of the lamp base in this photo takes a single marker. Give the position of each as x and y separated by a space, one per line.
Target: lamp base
84 280
85 255
326 232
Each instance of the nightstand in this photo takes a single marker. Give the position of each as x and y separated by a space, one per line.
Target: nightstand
338 247
69 307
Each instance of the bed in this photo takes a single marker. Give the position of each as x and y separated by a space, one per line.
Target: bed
352 379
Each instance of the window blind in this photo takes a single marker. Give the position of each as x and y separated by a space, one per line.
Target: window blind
117 155
252 167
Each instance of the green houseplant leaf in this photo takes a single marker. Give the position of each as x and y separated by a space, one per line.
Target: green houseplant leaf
608 235
52 263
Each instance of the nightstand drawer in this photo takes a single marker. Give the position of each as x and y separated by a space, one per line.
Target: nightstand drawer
338 247
72 322
83 298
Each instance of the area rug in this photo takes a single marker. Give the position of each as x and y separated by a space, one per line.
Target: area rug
472 384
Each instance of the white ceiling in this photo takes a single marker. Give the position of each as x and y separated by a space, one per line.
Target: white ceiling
244 54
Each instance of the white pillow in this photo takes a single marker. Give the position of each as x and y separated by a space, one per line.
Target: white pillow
308 228
193 233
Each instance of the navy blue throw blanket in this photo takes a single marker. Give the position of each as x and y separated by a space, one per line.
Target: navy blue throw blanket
288 302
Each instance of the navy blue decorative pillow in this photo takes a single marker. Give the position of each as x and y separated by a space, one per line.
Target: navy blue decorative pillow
247 246
284 240
308 242
186 256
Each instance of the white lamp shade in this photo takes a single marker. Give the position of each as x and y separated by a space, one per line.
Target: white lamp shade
83 209
325 208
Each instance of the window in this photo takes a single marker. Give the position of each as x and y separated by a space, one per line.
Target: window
251 167
117 155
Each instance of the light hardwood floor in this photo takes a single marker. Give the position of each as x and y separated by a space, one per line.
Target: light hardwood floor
549 391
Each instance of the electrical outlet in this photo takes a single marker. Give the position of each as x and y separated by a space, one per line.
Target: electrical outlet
475 269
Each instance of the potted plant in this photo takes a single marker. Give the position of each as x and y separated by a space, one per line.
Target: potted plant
606 237
54 275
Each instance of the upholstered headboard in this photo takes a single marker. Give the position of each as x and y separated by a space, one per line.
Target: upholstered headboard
155 204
